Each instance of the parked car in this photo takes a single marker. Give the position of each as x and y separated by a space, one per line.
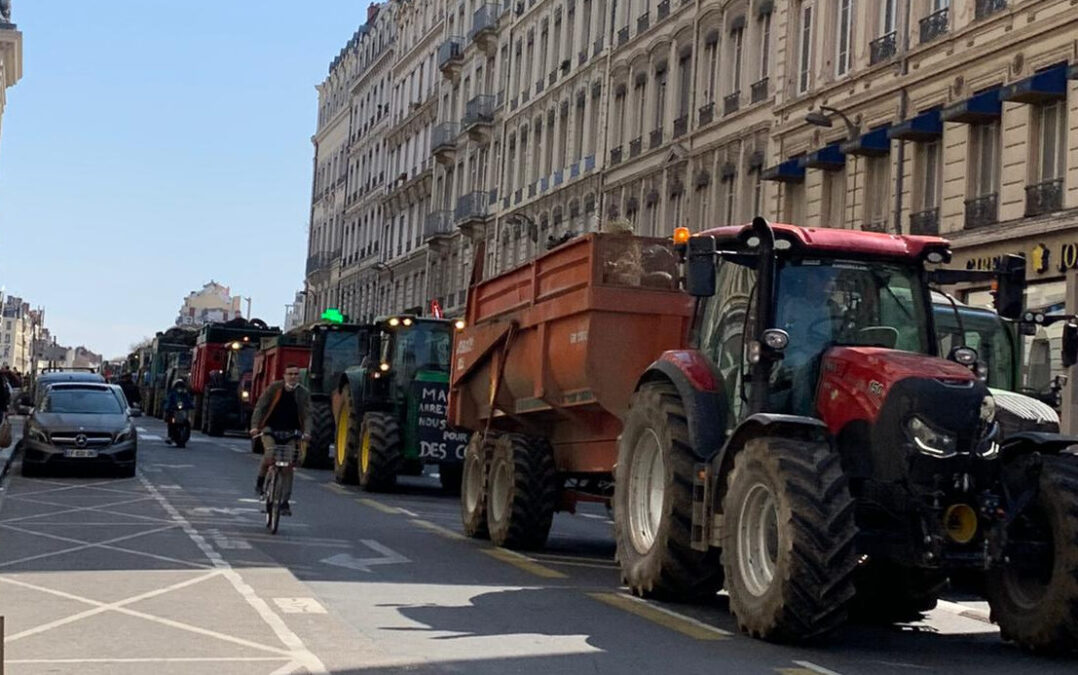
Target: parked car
79 424
32 398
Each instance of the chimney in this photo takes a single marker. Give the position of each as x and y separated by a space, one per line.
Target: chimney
372 11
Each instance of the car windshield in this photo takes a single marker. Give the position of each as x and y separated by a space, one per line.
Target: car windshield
983 331
81 401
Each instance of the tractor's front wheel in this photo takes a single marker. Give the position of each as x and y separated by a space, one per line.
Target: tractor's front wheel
380 452
345 467
1034 599
523 491
788 535
216 412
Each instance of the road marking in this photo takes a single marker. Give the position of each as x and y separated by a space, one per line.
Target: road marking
226 542
104 545
406 512
149 437
379 506
964 611
438 529
182 659
347 560
523 562
807 668
300 653
686 625
336 487
299 606
299 474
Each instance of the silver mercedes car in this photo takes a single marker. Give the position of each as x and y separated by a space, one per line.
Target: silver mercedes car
80 424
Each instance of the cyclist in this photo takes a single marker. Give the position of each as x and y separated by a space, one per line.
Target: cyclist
284 406
177 395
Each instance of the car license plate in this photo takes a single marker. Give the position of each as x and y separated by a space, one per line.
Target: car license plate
80 453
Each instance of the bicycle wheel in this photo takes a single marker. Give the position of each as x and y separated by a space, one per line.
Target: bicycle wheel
268 490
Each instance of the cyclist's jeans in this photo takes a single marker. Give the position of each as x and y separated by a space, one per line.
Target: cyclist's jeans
269 454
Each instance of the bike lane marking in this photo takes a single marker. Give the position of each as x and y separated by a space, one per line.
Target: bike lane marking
300 654
698 630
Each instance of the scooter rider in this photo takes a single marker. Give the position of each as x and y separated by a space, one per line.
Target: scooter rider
284 406
178 395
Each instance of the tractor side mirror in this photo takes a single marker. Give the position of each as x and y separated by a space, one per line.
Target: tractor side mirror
1070 344
700 267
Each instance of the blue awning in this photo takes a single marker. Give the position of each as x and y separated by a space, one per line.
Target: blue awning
828 158
1046 85
789 171
873 144
981 108
925 127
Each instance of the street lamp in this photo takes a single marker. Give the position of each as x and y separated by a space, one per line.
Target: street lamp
819 118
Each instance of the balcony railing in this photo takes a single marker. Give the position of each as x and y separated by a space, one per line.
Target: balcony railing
982 211
731 103
450 50
635 146
518 195
623 35
479 110
655 139
1044 197
589 162
925 222
484 18
986 8
664 10
472 206
681 126
438 224
615 156
706 114
553 77
444 136
574 170
760 90
642 22
935 24
882 48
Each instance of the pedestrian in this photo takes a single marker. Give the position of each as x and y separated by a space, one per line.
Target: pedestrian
130 390
285 406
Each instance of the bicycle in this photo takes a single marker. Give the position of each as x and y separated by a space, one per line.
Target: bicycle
278 483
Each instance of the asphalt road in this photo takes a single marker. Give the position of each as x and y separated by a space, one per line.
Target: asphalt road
174 572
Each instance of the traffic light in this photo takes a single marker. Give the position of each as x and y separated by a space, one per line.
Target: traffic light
1009 290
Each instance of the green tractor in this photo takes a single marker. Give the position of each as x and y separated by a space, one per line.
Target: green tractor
391 416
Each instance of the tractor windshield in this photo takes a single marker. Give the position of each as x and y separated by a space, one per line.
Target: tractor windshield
342 350
422 346
240 362
983 331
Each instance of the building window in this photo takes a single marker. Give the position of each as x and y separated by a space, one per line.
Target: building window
984 159
929 175
737 37
793 202
1050 145
729 200
845 37
711 55
834 196
660 99
878 191
757 193
804 69
765 44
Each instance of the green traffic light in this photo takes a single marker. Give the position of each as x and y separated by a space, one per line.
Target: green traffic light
333 315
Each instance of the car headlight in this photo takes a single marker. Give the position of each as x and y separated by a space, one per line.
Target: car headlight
988 409
930 441
126 435
36 434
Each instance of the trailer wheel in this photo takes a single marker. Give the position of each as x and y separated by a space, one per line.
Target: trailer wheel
317 453
216 412
652 506
380 452
889 593
522 491
788 539
1036 605
473 488
345 468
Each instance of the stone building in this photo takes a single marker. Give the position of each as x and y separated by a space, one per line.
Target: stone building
10 59
212 303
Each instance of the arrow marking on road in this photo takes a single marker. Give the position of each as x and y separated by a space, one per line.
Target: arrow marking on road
347 560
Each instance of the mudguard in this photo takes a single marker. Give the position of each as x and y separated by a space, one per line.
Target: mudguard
705 408
1028 442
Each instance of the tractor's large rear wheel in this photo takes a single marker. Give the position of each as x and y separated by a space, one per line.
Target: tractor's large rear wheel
473 488
380 452
316 455
1035 600
346 452
653 501
522 491
216 413
788 539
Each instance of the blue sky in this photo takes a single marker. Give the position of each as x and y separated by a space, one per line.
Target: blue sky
152 146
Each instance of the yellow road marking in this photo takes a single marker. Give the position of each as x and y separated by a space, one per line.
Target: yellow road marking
685 625
335 487
438 529
379 506
523 562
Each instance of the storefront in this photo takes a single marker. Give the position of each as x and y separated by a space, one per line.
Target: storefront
1049 257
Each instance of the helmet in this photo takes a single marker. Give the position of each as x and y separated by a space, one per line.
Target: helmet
179 382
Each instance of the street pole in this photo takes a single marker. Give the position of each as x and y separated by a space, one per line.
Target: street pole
248 299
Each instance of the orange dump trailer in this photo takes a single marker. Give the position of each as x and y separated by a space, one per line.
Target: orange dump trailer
543 373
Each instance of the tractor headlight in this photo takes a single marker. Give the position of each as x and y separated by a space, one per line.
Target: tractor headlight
988 409
930 441
245 395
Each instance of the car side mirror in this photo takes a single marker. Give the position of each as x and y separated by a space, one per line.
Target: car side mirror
1070 344
700 267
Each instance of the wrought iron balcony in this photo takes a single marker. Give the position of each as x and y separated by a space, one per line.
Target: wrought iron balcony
635 146
623 35
663 11
615 156
681 126
731 103
925 222
655 139
518 195
1044 197
642 23
450 52
582 57
484 19
559 177
472 206
539 86
759 90
882 48
479 110
553 77
444 137
438 224
982 211
706 114
935 24
986 8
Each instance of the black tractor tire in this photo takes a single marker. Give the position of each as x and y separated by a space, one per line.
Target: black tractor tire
198 413
656 557
449 476
385 452
888 593
316 455
216 411
473 487
346 450
1038 609
790 501
522 491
